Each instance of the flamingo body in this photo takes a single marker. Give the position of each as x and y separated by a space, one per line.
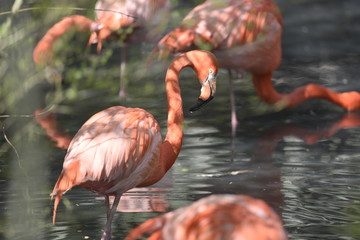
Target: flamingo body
144 16
215 217
121 148
238 32
116 149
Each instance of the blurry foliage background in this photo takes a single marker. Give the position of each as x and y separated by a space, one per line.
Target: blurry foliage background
75 66
77 73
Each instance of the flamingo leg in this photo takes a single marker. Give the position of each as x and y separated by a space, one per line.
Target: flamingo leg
234 120
123 78
107 204
110 214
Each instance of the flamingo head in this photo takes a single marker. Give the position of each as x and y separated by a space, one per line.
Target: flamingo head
208 91
205 65
98 35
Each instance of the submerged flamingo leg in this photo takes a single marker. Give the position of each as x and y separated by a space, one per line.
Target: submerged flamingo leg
234 120
110 214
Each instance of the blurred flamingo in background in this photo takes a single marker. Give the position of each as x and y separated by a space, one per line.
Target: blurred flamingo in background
139 20
215 217
121 148
245 35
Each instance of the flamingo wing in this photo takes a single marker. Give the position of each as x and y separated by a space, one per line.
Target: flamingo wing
242 34
141 11
115 149
141 14
231 23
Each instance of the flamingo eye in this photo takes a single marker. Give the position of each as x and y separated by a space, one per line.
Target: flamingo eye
211 78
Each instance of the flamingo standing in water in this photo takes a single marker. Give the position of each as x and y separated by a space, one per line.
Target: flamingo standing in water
215 217
121 148
140 20
245 35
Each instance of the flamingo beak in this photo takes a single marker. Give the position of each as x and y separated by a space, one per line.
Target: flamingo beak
200 103
208 92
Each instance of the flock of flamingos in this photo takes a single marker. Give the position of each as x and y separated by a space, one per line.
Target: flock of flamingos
121 148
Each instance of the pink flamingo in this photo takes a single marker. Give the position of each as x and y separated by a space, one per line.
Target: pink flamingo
121 148
246 35
142 20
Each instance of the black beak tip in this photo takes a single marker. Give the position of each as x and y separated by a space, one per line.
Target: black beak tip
199 104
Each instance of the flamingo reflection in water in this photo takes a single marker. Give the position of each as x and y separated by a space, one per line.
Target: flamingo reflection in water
121 148
48 122
266 180
261 177
149 199
132 21
245 35
215 217
270 139
231 216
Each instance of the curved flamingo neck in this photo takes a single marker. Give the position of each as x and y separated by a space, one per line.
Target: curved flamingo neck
265 88
348 100
173 140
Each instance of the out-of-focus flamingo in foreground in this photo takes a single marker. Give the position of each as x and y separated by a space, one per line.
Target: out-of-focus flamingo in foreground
245 35
121 148
140 20
215 217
